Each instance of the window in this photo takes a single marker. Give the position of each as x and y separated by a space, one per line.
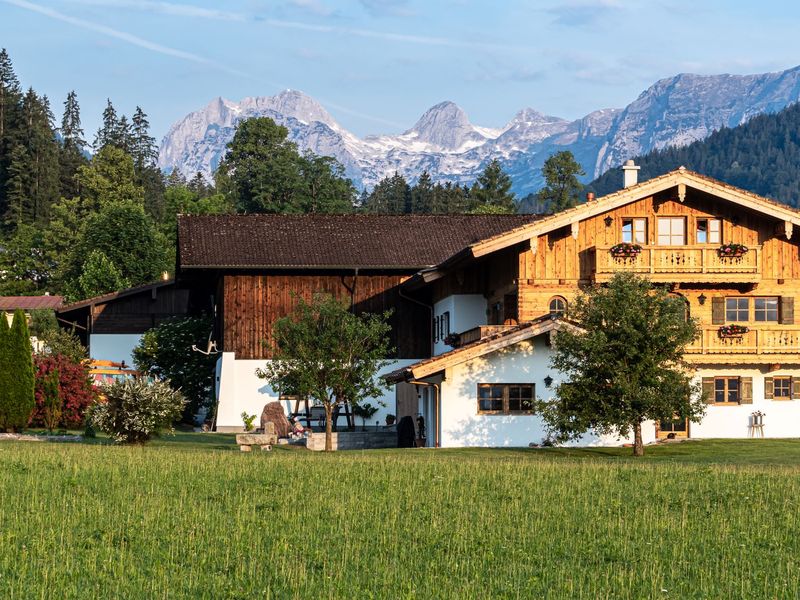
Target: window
709 231
634 231
505 398
558 306
782 388
671 231
677 427
765 309
726 390
737 309
441 326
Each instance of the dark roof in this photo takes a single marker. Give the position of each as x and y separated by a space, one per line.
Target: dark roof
332 241
114 295
29 302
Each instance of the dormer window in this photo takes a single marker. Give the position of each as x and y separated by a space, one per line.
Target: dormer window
709 231
634 231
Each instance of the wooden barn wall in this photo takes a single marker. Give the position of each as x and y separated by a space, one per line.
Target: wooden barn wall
562 263
252 303
140 312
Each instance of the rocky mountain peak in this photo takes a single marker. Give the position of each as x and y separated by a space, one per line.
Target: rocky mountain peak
445 125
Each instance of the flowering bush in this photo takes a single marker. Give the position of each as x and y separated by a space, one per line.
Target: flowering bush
74 387
625 250
732 250
133 410
732 330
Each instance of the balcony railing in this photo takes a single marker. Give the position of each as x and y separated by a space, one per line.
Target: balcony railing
768 342
477 333
681 263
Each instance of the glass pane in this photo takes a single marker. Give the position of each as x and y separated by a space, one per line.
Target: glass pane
485 404
497 391
640 231
702 231
714 231
627 231
483 391
719 396
527 391
677 226
513 392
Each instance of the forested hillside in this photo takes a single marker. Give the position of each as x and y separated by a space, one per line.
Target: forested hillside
761 156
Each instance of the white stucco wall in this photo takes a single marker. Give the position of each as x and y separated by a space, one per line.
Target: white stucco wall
466 311
527 362
782 416
117 347
239 390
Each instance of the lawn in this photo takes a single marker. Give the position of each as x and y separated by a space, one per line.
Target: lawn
192 517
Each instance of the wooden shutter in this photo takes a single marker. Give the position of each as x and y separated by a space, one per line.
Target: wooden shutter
787 310
769 388
708 389
718 311
795 388
745 390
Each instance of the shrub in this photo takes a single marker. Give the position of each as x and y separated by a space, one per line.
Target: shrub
74 386
17 384
51 394
134 410
60 341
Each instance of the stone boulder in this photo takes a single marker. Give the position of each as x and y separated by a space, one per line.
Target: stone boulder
273 413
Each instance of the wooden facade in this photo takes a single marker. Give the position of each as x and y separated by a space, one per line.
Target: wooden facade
249 304
521 280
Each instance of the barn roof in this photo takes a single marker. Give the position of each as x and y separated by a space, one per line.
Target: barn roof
401 242
29 302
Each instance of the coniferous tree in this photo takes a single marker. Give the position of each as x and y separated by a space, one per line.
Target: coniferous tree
493 189
392 196
143 145
561 172
17 399
10 108
114 130
73 146
422 195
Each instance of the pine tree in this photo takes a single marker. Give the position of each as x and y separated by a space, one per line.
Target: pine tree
73 146
561 172
392 196
493 189
112 131
422 195
10 109
142 145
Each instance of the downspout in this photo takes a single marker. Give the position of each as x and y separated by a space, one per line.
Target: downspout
436 397
427 307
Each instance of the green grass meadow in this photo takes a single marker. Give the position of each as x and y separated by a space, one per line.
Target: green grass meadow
192 517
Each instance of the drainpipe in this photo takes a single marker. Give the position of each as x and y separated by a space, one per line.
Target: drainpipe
427 307
436 397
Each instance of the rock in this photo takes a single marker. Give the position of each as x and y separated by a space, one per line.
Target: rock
273 414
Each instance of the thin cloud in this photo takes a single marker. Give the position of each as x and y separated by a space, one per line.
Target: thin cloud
581 14
168 8
394 8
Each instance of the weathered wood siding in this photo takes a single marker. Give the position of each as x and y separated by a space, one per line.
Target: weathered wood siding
139 312
252 303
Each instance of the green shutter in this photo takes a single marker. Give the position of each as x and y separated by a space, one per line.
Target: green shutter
745 390
708 390
718 311
795 388
769 388
787 310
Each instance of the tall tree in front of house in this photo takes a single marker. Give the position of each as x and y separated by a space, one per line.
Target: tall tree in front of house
326 353
624 365
17 399
73 146
491 192
562 188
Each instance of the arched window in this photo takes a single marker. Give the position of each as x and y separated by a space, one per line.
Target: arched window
558 306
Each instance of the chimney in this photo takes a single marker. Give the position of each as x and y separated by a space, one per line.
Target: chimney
630 175
590 196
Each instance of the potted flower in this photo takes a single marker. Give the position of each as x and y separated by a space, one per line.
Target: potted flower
729 331
452 339
625 250
732 250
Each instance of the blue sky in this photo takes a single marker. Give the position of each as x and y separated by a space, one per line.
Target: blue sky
378 64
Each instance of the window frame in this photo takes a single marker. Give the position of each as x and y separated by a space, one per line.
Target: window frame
506 389
708 232
634 238
726 390
787 379
776 310
557 299
672 219
738 309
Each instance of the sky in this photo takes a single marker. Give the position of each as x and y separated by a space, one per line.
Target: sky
377 65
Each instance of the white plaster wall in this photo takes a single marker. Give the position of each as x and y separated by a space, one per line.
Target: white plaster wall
239 390
466 311
117 347
782 416
527 362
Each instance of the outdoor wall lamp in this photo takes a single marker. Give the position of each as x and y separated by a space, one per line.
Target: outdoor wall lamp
608 221
548 381
701 299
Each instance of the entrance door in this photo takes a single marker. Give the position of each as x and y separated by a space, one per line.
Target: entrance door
672 428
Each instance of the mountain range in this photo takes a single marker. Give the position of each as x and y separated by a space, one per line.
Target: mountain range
672 112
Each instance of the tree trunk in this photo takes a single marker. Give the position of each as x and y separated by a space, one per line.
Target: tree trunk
328 427
638 444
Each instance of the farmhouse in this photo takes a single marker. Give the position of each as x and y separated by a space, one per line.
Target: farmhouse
474 296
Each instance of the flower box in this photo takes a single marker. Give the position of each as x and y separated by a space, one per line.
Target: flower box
732 250
732 331
625 250
452 339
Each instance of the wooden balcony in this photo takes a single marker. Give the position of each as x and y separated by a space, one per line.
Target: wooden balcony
681 263
761 344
